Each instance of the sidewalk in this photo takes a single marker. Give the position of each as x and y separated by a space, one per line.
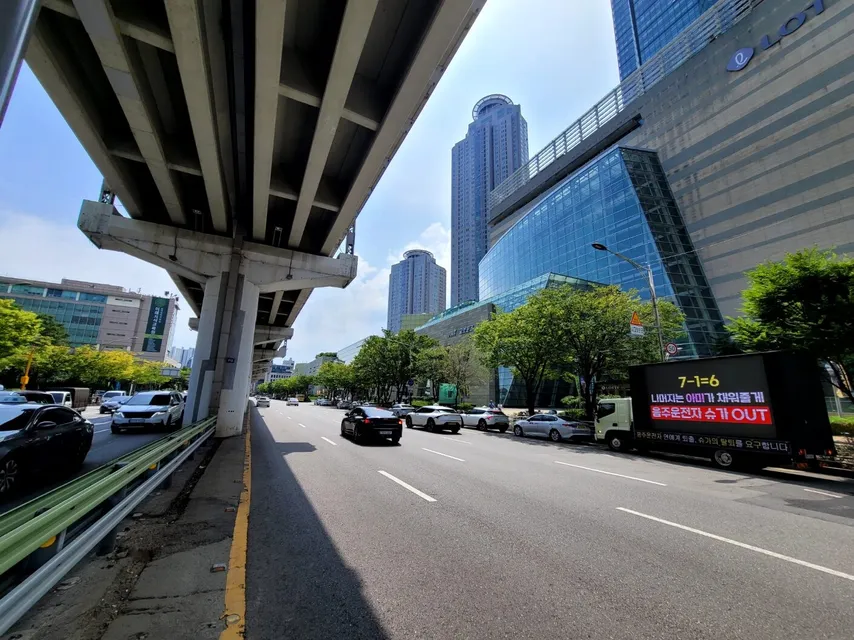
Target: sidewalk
161 580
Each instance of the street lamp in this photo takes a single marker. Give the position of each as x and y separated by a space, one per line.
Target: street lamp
650 282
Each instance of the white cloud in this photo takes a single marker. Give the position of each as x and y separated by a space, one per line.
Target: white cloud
39 249
335 318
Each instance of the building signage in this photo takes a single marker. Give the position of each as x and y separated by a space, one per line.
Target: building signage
123 302
156 325
462 331
741 58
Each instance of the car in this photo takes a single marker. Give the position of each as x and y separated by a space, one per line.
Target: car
323 402
486 418
435 418
401 410
37 439
262 401
37 397
11 397
345 404
552 427
371 422
61 397
292 402
108 397
112 405
150 409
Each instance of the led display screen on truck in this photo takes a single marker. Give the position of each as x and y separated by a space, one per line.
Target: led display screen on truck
769 403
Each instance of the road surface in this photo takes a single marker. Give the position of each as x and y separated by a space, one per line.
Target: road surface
482 535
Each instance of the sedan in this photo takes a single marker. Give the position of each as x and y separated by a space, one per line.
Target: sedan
292 402
552 427
36 439
485 418
150 409
401 410
371 422
111 405
262 401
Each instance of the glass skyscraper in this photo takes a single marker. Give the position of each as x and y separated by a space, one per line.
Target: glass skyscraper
643 27
416 284
495 146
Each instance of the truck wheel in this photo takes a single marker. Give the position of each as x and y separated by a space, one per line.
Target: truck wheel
616 441
723 459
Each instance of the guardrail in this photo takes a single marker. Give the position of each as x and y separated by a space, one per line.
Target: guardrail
37 532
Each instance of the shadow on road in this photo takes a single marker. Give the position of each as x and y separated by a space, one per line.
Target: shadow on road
297 584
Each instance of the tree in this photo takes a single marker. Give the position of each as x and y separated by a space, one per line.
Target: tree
19 329
463 367
432 364
529 339
804 303
53 331
596 343
371 367
335 377
299 385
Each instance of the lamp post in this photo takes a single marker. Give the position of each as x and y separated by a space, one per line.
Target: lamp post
650 283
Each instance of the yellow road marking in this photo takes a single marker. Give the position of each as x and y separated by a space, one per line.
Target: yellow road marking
235 582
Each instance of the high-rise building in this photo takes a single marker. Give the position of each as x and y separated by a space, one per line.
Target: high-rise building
184 355
416 285
643 27
495 146
102 316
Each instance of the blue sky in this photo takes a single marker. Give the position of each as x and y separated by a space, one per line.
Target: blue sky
556 58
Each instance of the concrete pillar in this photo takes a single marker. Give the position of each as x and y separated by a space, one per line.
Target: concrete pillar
16 24
204 361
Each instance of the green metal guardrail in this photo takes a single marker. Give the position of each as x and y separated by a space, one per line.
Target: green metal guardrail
26 528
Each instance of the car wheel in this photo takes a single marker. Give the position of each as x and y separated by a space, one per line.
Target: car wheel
431 425
455 430
102 411
481 425
115 429
517 430
723 459
554 435
168 424
395 440
10 476
357 437
342 429
616 442
503 429
408 422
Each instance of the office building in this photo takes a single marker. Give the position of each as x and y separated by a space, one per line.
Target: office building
642 28
280 371
412 321
349 353
311 368
416 284
101 316
495 146
734 150
183 355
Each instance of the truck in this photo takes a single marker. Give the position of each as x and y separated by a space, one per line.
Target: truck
748 411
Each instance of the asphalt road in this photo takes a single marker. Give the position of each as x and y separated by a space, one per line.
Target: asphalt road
106 446
492 536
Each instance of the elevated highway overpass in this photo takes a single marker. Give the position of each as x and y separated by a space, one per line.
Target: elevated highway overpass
241 139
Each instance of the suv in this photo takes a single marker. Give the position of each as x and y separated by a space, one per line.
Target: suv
485 418
262 401
435 418
149 409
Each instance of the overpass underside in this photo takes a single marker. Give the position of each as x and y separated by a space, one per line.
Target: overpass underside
238 141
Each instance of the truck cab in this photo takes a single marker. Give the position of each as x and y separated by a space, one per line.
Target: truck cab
614 423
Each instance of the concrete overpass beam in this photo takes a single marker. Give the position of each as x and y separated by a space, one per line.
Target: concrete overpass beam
273 269
265 334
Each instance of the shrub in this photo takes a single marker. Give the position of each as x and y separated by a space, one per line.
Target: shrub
465 406
574 414
572 402
842 426
421 403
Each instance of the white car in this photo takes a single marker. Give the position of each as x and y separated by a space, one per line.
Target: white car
552 427
486 418
435 418
150 409
401 410
262 401
292 402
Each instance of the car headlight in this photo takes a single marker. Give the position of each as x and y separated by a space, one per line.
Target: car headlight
159 413
120 415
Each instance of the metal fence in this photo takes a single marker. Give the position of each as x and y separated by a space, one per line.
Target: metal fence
693 38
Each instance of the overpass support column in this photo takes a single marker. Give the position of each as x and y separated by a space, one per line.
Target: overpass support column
204 361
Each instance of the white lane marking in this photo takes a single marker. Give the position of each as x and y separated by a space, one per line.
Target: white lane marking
302 425
824 493
418 493
102 431
455 440
439 453
750 547
328 440
289 418
610 473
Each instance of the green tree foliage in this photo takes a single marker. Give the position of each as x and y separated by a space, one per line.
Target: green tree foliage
432 365
336 378
388 362
804 303
53 332
19 329
464 367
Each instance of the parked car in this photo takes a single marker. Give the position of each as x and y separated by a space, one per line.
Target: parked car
262 401
292 402
61 397
109 396
323 402
552 427
401 410
150 409
486 418
371 422
112 405
36 439
345 404
38 397
435 418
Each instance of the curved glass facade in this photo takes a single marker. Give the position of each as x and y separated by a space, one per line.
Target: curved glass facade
622 200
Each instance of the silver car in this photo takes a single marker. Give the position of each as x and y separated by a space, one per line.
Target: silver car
262 401
486 418
401 410
150 409
553 427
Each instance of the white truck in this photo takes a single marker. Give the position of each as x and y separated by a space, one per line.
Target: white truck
614 423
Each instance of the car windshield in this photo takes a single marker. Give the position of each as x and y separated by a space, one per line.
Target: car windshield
58 396
442 410
39 398
157 400
14 418
375 412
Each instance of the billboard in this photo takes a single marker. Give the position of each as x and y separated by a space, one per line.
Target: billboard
156 325
447 393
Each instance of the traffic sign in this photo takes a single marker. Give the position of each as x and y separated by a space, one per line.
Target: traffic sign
671 349
635 325
410 382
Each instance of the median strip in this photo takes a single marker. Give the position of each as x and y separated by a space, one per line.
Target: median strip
610 473
409 487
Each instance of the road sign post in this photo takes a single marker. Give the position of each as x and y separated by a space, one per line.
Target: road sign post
636 326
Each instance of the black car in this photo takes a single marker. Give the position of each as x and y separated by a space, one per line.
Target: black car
37 440
371 422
